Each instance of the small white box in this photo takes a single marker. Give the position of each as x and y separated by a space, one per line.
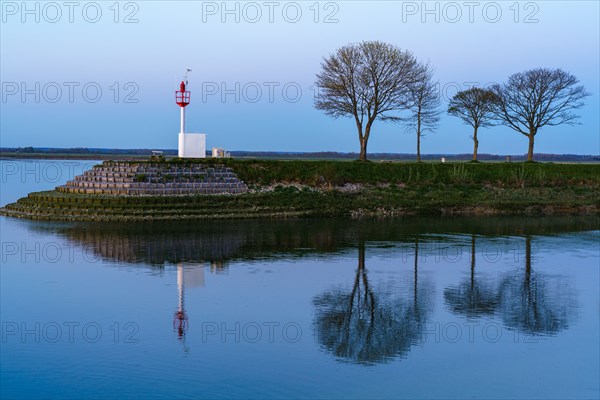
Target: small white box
192 145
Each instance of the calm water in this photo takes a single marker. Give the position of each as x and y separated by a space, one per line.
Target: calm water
410 308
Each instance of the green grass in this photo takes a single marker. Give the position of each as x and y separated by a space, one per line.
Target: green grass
338 173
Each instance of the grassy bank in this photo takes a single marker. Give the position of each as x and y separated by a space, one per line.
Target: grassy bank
334 173
348 189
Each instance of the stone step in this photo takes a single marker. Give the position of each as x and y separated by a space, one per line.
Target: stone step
142 185
94 174
116 178
141 169
154 192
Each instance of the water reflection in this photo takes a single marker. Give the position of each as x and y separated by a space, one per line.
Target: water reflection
530 302
370 321
188 276
219 242
180 319
366 325
535 303
472 297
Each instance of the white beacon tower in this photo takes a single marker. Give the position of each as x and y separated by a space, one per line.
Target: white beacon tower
191 145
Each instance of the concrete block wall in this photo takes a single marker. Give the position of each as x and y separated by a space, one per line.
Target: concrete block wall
156 179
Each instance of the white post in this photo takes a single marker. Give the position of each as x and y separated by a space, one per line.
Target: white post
182 120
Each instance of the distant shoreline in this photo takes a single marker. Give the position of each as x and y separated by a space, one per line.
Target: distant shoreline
144 154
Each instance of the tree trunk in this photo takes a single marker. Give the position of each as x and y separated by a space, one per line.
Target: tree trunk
419 137
475 144
363 150
530 152
418 147
364 139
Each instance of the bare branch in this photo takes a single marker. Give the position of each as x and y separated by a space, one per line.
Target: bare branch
533 99
366 81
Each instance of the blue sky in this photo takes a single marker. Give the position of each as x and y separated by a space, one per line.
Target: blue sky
99 75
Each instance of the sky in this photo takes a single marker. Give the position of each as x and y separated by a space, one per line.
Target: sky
103 73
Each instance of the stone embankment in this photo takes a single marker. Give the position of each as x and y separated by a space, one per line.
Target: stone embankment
139 191
155 179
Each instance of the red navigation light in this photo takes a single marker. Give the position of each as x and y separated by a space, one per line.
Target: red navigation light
182 96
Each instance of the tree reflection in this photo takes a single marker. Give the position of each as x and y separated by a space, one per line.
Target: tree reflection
365 326
471 297
535 303
160 243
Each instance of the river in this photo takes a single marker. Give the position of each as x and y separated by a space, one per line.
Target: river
484 307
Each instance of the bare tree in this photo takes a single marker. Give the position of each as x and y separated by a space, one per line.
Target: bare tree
424 102
539 97
367 81
475 107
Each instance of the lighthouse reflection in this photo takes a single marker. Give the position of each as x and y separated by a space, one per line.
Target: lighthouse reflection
368 325
190 275
180 319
